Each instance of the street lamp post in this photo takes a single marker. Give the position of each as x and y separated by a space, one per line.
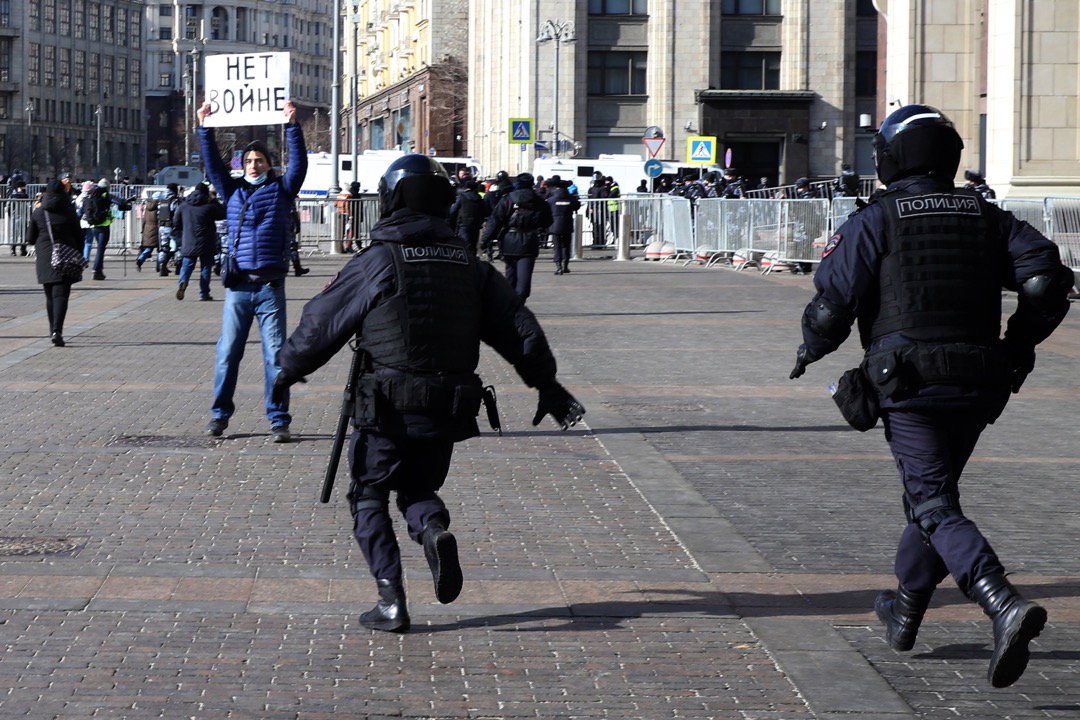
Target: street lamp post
195 56
30 137
97 146
335 125
354 99
560 32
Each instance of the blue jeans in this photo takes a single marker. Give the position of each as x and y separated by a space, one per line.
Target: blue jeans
101 234
187 267
266 302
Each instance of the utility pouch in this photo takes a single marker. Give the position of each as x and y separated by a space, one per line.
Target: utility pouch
365 401
467 399
857 399
885 370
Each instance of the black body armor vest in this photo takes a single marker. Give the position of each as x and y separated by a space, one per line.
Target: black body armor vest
941 278
431 325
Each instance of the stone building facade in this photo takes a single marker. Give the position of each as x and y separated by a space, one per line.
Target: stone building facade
71 88
1005 71
782 84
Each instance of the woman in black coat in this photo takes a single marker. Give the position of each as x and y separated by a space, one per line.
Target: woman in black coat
56 211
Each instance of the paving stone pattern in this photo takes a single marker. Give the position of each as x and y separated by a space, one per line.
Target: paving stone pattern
707 545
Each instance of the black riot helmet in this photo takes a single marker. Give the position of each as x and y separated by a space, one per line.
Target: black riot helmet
917 140
417 182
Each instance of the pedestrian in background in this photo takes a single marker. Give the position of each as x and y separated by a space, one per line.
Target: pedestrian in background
54 221
149 241
194 221
259 205
564 207
517 223
468 213
417 305
921 270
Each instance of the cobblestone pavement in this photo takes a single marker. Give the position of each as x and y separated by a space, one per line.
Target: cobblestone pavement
708 545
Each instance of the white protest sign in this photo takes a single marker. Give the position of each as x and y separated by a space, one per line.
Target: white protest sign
247 89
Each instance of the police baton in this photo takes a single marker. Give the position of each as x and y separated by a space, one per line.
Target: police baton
342 429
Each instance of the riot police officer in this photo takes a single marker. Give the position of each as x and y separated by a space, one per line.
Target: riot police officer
921 269
418 303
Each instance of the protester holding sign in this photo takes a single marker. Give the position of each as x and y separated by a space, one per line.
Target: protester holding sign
259 206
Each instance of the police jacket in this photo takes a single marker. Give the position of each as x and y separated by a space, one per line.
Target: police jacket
563 206
468 211
260 225
921 270
194 219
517 222
396 296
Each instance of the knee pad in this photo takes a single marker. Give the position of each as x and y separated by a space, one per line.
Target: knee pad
367 498
931 513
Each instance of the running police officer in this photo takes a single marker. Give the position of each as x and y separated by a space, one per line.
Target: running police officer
921 269
419 305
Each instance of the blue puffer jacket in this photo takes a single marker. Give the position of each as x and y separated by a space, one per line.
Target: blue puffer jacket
259 214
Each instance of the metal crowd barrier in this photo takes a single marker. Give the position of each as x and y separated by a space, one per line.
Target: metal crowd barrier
769 234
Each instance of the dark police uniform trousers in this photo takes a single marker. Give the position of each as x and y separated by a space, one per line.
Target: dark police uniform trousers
415 470
931 449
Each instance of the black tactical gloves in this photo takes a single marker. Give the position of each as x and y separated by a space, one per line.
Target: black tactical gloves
803 357
559 404
282 383
1021 363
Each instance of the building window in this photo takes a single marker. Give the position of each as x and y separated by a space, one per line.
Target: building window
33 65
165 57
121 76
135 27
65 20
164 10
80 71
122 25
866 73
35 16
50 17
80 19
750 70
50 65
165 80
93 20
750 7
107 26
5 13
5 60
65 67
618 7
164 33
617 73
136 78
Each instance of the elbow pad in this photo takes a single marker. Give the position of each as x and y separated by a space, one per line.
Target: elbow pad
1046 293
828 321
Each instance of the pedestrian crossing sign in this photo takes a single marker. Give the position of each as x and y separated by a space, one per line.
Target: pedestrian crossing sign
521 131
701 149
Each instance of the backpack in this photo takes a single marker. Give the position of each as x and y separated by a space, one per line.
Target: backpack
96 206
165 209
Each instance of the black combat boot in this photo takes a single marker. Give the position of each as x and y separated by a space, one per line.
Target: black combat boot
440 549
901 612
566 267
1016 623
390 613
558 269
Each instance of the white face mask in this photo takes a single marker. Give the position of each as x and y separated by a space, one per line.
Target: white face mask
258 180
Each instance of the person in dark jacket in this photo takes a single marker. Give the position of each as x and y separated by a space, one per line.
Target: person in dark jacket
54 221
921 270
150 236
194 221
259 207
19 193
417 305
517 223
563 208
468 213
499 188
